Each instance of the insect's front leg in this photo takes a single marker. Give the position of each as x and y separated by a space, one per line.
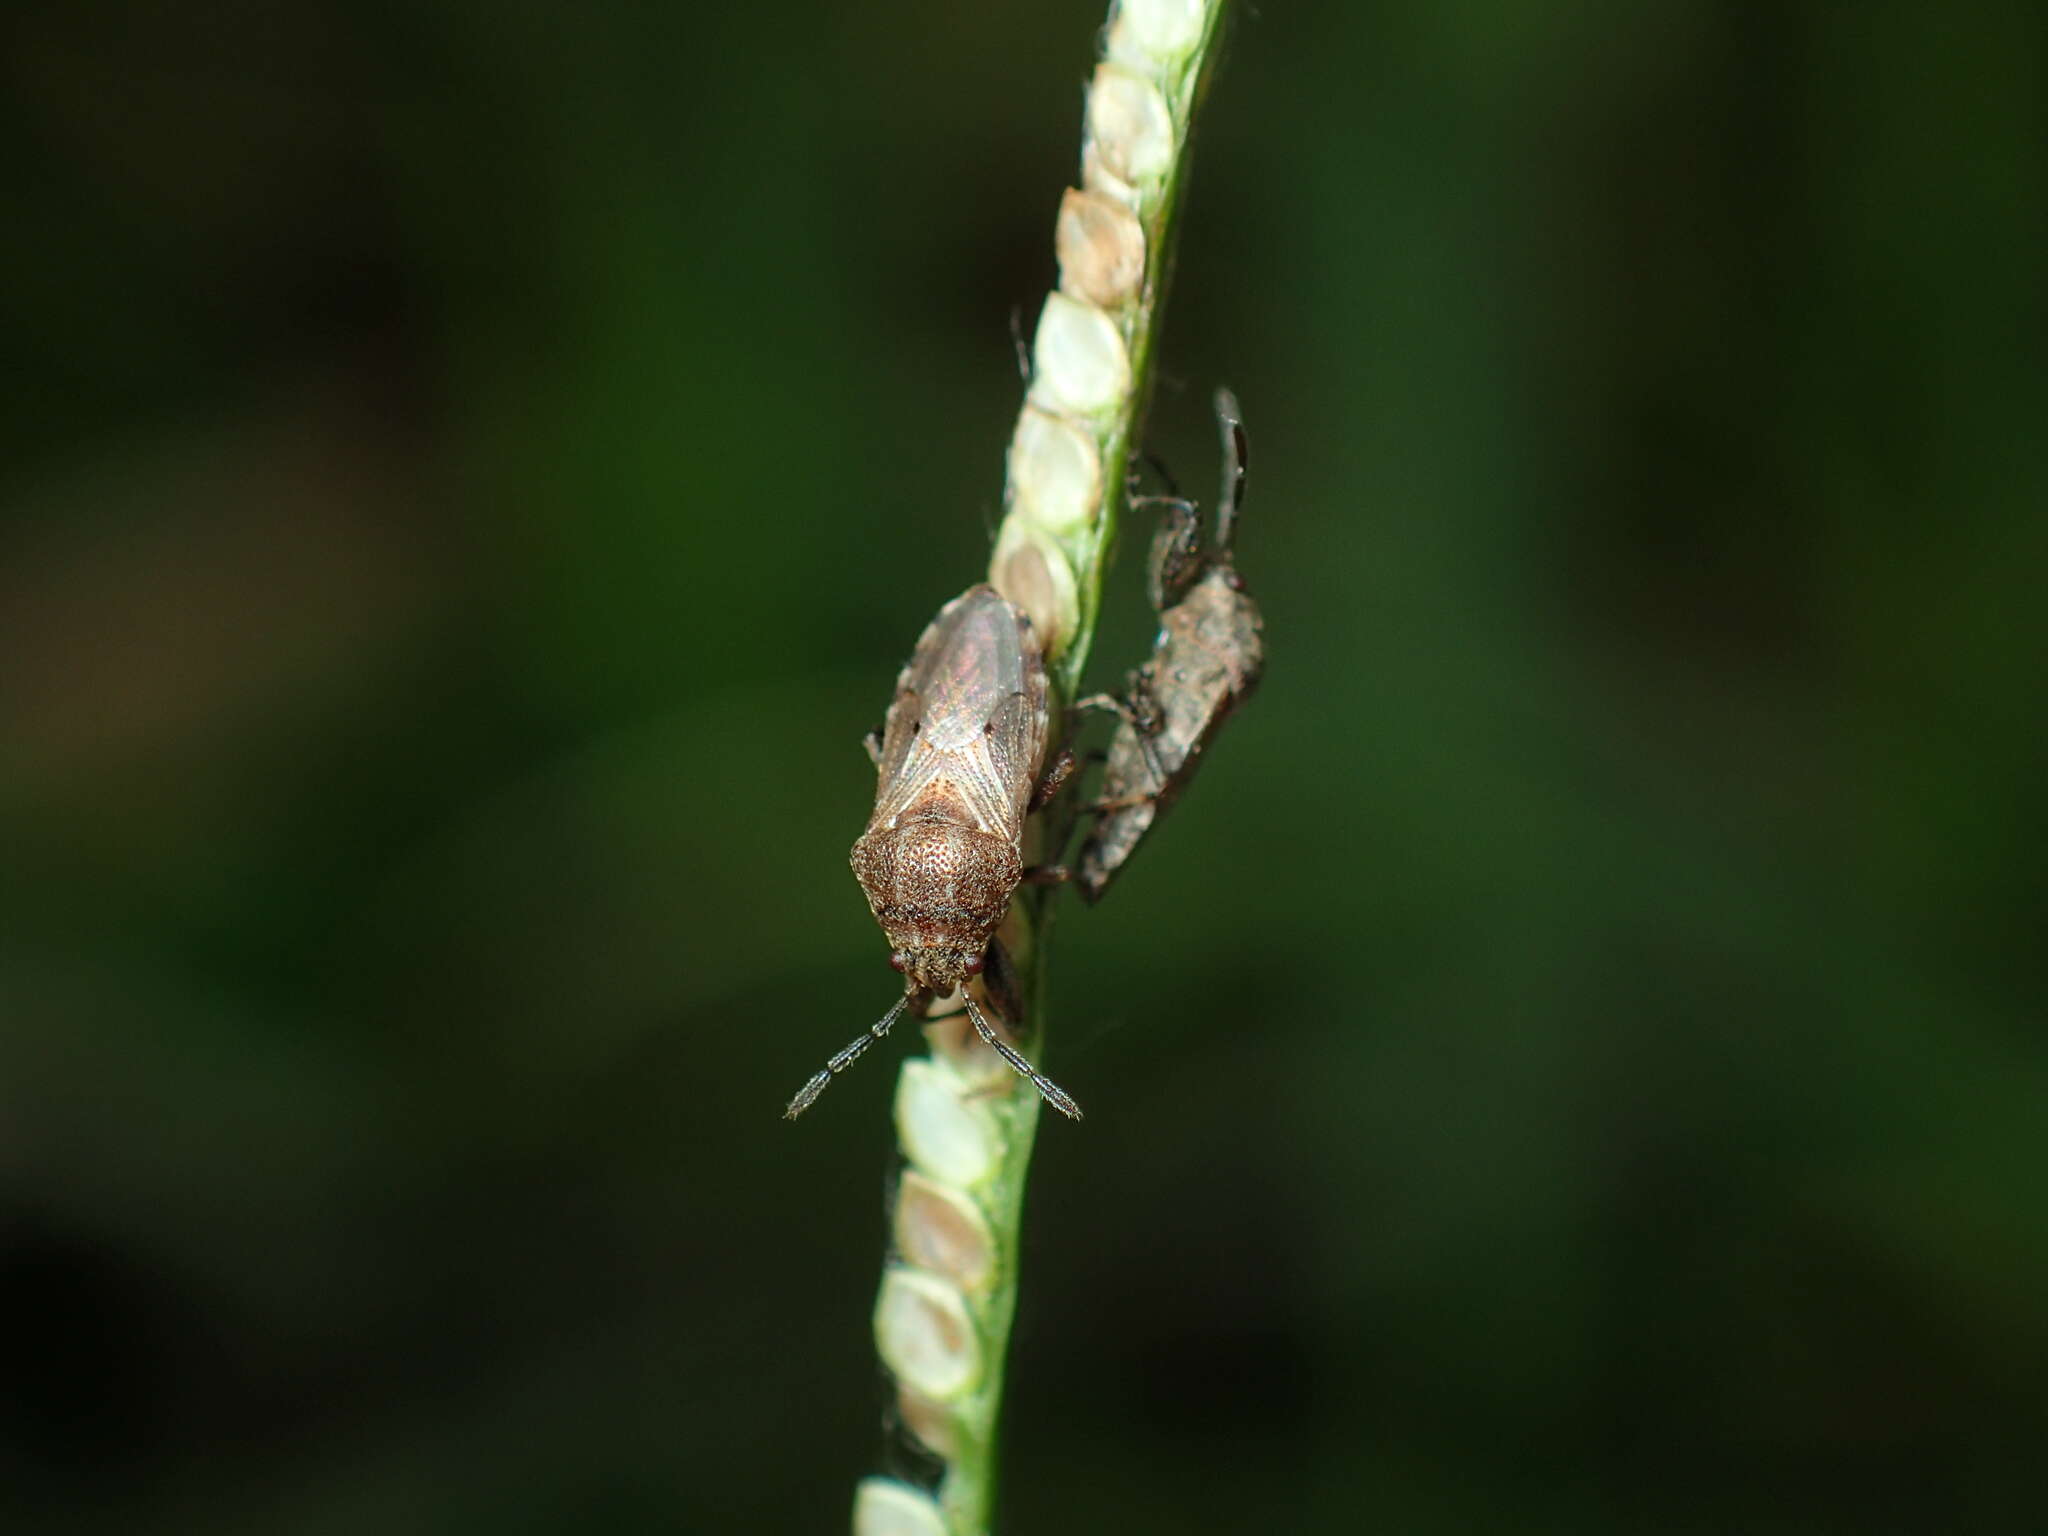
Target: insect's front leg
1136 709
1177 557
1141 715
873 742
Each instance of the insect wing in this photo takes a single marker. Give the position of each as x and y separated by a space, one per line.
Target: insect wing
975 667
969 717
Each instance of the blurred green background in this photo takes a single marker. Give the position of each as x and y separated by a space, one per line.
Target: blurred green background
471 472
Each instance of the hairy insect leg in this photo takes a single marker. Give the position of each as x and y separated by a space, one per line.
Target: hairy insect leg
807 1095
1140 712
1177 557
873 742
1049 1090
1133 489
1125 709
1056 776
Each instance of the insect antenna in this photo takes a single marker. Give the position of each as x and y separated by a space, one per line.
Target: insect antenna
1051 1091
807 1095
1237 458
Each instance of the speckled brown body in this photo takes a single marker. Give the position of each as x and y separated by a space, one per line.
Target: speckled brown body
1207 660
957 770
960 756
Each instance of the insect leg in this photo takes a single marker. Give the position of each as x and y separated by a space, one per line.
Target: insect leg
1049 1090
807 1095
1176 550
1111 704
1144 724
1131 491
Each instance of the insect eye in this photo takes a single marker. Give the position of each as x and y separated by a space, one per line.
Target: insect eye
989 729
916 726
973 967
896 961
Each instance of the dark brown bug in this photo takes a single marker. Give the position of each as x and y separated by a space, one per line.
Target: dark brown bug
958 770
1206 662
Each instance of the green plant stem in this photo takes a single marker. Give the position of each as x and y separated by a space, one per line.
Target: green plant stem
1091 381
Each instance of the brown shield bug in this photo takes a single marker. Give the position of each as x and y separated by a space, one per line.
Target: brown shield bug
1207 660
958 769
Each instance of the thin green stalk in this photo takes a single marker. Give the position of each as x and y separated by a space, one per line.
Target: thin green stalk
942 1320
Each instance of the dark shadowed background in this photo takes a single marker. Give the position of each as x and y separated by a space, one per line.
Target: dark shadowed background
1577 1062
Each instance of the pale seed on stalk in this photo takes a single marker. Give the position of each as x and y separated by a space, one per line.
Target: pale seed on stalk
942 1131
1128 119
932 1422
941 1230
1055 475
924 1334
1101 249
885 1507
1149 33
1038 580
1079 366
